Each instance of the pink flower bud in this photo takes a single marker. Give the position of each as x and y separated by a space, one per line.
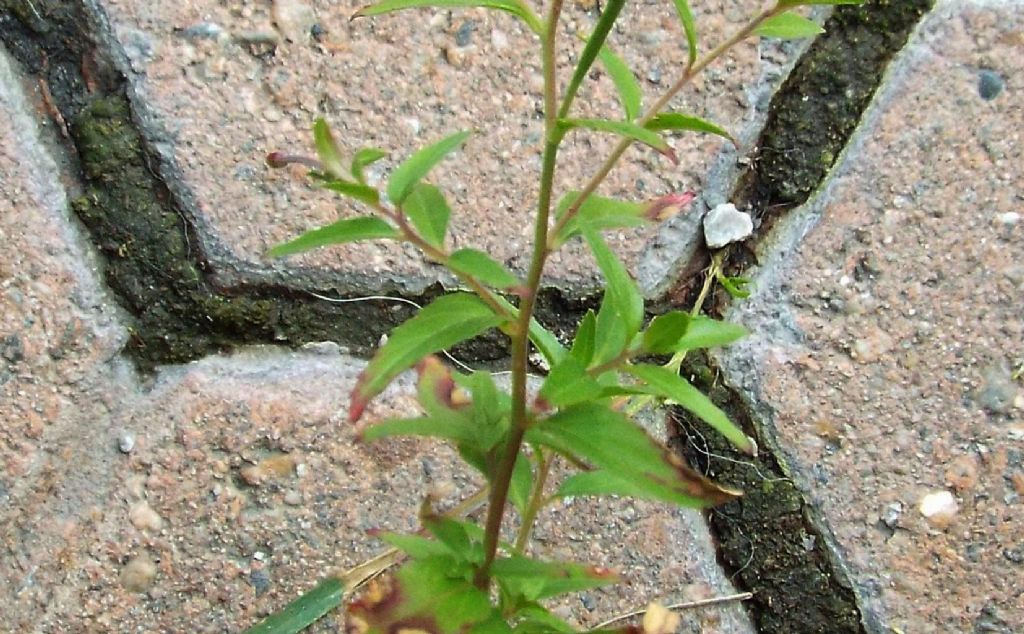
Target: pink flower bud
661 209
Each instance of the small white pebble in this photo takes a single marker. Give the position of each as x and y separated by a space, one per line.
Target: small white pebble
259 555
293 498
138 574
938 508
1009 218
126 442
725 224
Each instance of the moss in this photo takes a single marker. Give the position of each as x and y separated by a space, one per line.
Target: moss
766 539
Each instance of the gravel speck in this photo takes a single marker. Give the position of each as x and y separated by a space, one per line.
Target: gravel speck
138 574
990 84
126 442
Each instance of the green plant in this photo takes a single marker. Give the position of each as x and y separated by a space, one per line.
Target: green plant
457 575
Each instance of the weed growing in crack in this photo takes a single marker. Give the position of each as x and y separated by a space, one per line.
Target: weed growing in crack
457 575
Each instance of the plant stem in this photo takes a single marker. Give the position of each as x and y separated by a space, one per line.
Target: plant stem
536 501
624 144
520 333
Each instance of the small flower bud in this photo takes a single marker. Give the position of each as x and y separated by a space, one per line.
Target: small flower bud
661 209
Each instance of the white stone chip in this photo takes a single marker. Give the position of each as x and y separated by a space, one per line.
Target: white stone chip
938 507
725 224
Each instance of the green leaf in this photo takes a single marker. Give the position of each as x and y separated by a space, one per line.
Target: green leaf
483 267
429 212
363 158
704 332
598 213
788 26
348 230
415 546
609 14
689 27
568 383
622 307
621 128
665 331
536 580
535 619
447 321
583 344
408 174
610 442
429 592
521 487
362 193
735 286
678 122
514 7
454 536
327 148
304 611
625 83
667 384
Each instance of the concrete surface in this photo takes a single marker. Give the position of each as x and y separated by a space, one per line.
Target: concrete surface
888 320
208 495
887 315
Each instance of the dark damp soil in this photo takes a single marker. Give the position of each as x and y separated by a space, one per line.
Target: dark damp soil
766 539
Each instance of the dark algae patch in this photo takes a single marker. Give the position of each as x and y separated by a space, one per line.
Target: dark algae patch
767 540
813 115
152 259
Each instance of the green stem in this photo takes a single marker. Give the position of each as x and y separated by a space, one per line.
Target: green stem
623 145
536 502
520 333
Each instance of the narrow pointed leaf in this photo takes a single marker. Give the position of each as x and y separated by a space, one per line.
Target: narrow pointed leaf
447 321
611 442
327 148
667 384
521 486
665 331
689 28
483 267
735 286
621 128
408 174
429 212
704 332
358 191
514 7
304 611
625 82
622 307
598 213
415 546
584 342
348 230
609 14
537 580
788 26
677 122
363 158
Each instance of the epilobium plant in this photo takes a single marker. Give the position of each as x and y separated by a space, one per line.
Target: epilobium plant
457 575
